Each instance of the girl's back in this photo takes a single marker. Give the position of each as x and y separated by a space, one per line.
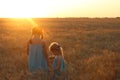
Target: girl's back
36 58
62 63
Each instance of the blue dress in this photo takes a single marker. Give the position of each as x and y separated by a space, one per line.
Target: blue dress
36 59
62 69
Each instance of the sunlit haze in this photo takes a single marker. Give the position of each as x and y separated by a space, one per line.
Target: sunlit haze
59 8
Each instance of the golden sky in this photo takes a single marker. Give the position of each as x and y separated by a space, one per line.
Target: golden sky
59 8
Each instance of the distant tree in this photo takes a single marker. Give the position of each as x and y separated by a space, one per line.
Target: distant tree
117 17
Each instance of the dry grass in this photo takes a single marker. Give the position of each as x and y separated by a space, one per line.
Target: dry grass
91 47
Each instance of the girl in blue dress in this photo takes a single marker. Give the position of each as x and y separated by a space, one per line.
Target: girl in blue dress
59 65
37 56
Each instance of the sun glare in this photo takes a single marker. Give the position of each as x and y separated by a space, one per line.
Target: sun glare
58 8
37 8
25 8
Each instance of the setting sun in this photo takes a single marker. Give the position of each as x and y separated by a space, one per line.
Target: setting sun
24 8
59 8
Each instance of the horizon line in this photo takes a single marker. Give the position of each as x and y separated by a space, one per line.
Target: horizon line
58 17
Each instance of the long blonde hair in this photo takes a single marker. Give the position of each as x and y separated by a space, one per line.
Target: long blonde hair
54 46
37 31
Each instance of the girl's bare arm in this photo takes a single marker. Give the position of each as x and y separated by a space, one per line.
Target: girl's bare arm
28 43
46 53
58 63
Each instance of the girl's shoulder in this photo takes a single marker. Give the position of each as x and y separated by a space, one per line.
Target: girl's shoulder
43 42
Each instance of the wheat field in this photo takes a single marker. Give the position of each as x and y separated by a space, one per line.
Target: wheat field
91 46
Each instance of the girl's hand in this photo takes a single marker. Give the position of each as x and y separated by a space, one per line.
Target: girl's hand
50 69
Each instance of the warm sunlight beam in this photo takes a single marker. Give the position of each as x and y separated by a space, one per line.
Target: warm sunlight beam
34 24
19 22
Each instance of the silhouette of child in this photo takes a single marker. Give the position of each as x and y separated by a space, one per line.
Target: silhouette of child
59 65
37 55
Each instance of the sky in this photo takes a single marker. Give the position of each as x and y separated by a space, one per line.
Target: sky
59 8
